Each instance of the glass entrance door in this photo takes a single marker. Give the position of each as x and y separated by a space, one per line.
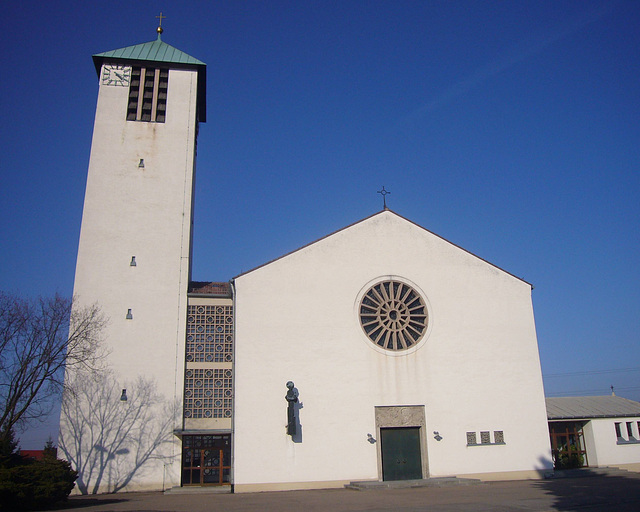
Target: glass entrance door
206 460
567 445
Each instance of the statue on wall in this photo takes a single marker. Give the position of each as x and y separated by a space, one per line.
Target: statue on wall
292 399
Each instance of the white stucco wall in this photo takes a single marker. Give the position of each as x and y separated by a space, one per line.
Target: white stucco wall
296 319
146 213
605 449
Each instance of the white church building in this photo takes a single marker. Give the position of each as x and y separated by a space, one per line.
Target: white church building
348 359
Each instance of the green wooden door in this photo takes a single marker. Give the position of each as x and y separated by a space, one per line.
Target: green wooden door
401 458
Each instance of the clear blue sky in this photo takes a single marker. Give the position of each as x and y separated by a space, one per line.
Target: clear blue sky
511 128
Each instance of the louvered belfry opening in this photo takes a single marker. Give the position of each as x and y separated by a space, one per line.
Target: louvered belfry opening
148 95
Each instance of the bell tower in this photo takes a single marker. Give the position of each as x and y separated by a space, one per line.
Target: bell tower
135 240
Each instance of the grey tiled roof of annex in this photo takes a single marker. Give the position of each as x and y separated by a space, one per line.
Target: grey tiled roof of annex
584 407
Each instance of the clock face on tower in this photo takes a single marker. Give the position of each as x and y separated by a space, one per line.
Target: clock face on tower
116 75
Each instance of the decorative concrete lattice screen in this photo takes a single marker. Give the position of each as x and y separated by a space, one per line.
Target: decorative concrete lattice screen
209 334
207 393
208 378
485 438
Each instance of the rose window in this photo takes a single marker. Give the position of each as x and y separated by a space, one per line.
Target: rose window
393 315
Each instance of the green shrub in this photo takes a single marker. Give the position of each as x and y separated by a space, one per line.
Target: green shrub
569 460
36 484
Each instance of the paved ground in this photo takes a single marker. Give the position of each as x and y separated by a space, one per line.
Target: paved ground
591 494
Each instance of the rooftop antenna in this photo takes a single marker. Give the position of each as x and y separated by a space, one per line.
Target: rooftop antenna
159 30
383 193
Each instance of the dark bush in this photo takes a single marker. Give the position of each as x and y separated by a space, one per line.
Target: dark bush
36 484
9 451
570 459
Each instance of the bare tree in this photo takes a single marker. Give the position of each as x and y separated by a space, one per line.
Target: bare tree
108 440
39 339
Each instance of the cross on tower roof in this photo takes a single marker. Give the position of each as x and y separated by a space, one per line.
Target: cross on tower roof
161 17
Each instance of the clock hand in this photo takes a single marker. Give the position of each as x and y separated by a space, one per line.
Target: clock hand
118 75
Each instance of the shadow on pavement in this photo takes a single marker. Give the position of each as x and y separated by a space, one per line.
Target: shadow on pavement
80 502
587 490
595 488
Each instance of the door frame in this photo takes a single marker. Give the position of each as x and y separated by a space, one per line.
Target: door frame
402 416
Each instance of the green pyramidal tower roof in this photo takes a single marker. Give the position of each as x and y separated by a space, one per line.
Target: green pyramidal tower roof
153 51
158 52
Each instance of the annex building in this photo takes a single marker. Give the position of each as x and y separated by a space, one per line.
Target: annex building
594 431
344 360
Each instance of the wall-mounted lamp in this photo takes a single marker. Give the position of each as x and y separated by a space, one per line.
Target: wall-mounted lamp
129 315
371 439
437 435
123 396
141 164
133 261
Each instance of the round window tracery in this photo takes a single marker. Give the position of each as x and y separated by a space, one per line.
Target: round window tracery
393 315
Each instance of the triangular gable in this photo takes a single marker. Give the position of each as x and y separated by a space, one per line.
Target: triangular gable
386 210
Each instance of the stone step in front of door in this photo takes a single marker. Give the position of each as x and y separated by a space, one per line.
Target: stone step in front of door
404 484
197 489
